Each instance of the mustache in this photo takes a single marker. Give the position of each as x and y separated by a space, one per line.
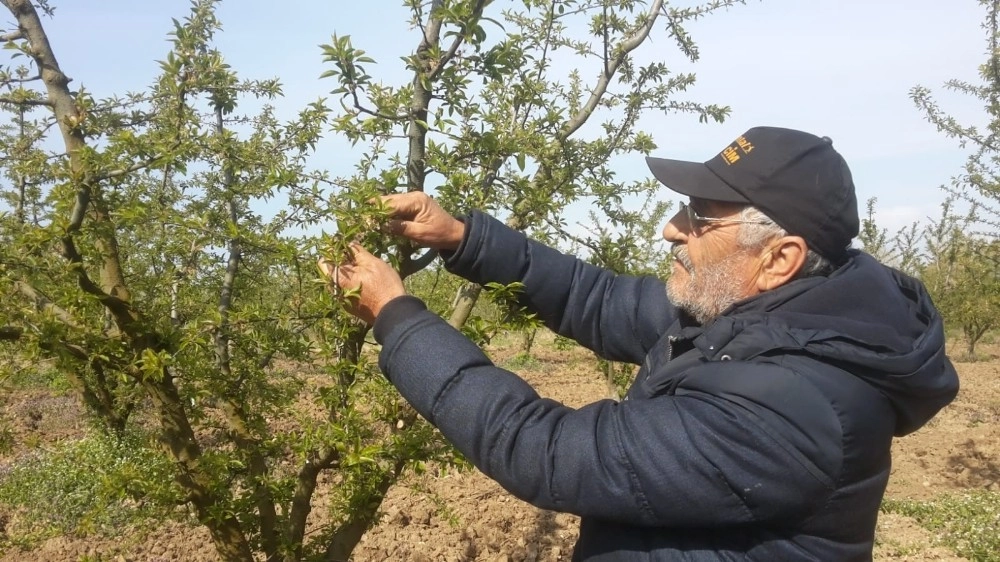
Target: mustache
680 253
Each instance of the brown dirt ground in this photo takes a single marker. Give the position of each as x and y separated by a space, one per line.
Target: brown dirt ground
463 516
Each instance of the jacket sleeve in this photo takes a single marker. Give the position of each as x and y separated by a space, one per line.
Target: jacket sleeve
619 317
684 460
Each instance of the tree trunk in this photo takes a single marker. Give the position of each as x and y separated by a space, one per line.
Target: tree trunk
528 341
346 538
972 336
465 300
111 291
179 439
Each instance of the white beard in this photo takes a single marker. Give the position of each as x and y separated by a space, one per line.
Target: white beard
710 290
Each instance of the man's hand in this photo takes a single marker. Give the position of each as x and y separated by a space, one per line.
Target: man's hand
420 219
378 281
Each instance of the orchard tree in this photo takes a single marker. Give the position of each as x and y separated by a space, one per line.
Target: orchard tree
138 258
979 183
962 273
519 111
900 250
960 246
965 284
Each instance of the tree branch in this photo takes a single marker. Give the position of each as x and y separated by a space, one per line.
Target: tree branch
180 441
611 67
542 64
412 266
477 12
305 485
236 414
43 303
347 535
373 113
583 242
21 80
112 293
34 103
133 168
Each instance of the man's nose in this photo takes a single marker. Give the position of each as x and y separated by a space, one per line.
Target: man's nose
676 228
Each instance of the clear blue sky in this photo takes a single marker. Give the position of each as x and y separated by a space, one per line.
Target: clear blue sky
840 68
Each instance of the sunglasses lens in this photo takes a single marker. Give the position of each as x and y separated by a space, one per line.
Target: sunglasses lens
692 217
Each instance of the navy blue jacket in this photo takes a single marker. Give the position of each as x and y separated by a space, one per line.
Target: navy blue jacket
763 435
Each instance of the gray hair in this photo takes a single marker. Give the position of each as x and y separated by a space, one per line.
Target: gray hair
754 236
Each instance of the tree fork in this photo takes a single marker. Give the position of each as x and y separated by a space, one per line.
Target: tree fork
179 440
348 535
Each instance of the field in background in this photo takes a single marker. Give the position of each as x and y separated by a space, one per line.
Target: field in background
943 501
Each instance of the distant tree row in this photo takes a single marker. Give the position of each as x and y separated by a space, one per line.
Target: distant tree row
957 254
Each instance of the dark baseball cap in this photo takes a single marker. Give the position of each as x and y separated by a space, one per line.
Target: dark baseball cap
795 178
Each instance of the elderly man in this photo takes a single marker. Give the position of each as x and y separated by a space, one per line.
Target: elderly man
776 365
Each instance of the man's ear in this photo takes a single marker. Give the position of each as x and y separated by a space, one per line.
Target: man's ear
781 262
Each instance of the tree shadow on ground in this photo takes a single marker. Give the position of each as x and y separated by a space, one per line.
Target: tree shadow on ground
975 466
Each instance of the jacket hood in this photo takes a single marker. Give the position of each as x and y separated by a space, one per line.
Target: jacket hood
865 318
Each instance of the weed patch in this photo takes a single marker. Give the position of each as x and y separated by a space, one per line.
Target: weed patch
968 523
76 488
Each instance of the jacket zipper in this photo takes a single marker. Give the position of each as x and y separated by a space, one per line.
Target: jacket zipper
670 355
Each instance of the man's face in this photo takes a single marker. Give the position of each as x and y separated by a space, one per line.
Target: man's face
711 269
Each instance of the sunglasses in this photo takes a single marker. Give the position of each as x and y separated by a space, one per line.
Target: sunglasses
695 221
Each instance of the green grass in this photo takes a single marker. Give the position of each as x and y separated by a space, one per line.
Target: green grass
521 361
39 376
6 438
969 523
78 488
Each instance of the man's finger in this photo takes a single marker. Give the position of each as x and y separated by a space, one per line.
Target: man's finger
404 204
398 227
358 251
392 203
326 267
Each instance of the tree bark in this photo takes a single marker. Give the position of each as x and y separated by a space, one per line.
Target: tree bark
112 291
348 535
178 438
465 300
236 415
